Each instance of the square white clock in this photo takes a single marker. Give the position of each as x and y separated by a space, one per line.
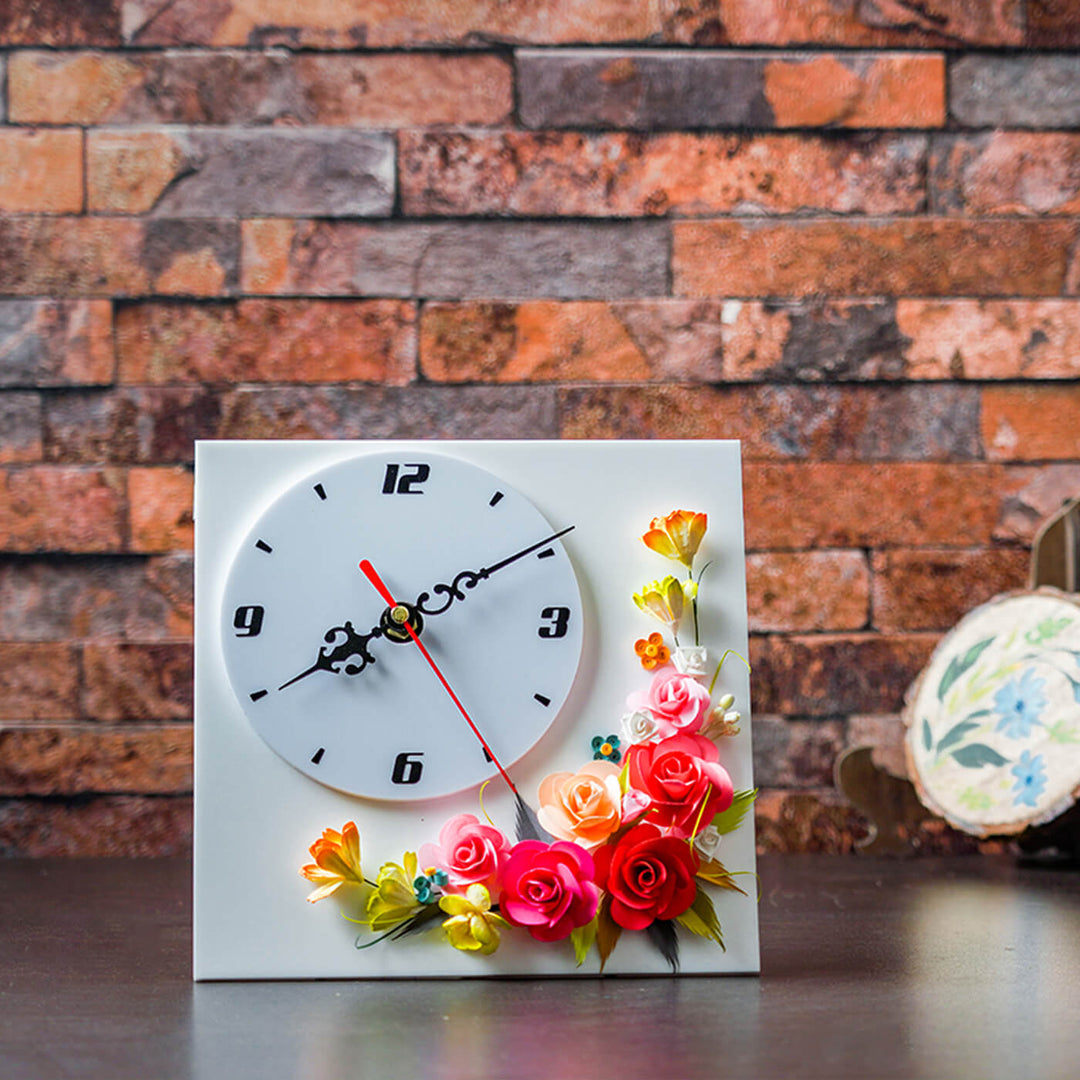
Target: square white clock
421 674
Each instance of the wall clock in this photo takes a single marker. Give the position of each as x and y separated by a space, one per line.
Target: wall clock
384 627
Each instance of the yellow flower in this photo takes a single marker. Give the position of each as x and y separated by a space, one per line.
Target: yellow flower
663 600
394 899
472 925
337 861
677 536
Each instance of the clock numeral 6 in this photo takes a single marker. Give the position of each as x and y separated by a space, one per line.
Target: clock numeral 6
396 482
559 618
248 620
407 767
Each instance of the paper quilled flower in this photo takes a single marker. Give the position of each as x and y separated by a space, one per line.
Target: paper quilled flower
549 889
606 748
677 535
472 926
394 898
337 861
652 651
582 806
648 876
663 600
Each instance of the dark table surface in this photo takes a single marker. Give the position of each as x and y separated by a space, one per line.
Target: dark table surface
947 968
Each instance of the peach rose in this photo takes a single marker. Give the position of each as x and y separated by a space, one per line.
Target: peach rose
582 807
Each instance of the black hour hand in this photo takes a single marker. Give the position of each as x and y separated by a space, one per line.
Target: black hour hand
353 645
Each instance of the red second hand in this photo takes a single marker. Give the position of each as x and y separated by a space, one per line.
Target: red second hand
371 574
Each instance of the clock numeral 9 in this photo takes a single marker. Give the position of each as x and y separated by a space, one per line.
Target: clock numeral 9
560 619
248 620
407 767
407 483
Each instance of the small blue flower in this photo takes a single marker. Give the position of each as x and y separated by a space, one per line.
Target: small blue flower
606 748
424 886
1019 703
1030 776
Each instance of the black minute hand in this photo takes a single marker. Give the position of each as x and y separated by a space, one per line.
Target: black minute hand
489 570
471 578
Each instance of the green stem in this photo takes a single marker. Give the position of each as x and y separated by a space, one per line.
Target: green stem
727 653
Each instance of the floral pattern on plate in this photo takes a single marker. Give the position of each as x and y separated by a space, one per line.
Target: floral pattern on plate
994 721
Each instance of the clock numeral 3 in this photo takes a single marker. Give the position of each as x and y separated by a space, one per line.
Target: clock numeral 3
560 620
248 620
396 482
407 767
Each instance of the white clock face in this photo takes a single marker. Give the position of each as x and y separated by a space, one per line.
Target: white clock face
309 643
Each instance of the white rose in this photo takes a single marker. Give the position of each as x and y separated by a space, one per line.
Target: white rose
707 841
691 660
640 726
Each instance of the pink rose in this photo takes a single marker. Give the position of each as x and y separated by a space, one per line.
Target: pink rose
684 780
679 702
549 889
470 853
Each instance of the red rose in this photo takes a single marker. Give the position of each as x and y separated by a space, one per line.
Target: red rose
549 888
683 779
648 876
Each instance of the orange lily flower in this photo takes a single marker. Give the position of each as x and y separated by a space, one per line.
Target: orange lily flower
337 861
677 536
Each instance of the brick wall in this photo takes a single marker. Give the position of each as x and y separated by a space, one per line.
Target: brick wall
843 231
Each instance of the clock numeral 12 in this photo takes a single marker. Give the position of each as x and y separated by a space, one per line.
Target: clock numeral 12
248 620
560 620
407 767
396 482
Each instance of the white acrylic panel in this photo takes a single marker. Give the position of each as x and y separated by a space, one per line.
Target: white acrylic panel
255 814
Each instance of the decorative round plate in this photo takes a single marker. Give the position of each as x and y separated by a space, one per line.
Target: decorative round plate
993 739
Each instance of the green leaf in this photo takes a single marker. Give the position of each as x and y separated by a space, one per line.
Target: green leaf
927 737
1062 732
700 918
955 734
1047 628
974 799
1075 688
716 873
976 755
959 664
607 931
582 938
730 819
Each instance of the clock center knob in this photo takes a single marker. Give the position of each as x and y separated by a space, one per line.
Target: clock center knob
395 619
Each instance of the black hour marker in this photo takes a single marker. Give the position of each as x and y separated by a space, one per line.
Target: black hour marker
259 694
262 545
546 553
545 701
487 755
407 483
320 491
248 620
495 498
317 756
